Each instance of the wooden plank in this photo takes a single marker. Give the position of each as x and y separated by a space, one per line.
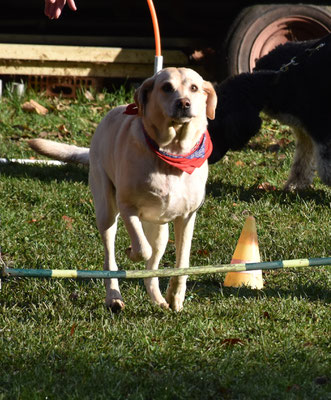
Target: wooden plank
128 42
86 54
84 70
111 70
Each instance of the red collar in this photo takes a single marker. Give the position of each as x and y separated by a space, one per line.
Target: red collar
186 162
131 109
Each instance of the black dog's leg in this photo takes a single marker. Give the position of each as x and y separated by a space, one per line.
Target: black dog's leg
302 170
323 158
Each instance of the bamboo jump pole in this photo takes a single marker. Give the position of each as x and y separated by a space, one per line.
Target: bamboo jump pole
162 273
28 161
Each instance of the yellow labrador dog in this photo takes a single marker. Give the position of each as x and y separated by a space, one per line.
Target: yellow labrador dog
148 163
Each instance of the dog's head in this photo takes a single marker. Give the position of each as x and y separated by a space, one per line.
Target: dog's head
175 97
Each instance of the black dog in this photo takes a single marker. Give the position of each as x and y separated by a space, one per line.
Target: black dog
293 85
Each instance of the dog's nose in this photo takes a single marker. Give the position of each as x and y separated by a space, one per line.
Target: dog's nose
183 104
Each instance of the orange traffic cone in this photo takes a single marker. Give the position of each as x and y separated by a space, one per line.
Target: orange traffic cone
247 250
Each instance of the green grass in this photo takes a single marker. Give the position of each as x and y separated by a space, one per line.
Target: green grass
58 341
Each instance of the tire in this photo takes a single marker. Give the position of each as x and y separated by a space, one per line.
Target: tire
259 29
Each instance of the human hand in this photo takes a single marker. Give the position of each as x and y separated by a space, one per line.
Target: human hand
53 8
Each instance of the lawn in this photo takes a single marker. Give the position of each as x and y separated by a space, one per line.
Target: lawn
58 340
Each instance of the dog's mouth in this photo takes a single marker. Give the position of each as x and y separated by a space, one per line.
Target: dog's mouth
181 116
180 120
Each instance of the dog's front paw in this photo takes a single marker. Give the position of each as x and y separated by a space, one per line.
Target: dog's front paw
293 186
142 255
164 305
175 295
114 301
175 300
115 305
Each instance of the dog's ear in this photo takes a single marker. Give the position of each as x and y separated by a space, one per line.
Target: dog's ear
141 94
211 99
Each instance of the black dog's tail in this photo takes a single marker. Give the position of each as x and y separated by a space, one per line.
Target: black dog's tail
240 101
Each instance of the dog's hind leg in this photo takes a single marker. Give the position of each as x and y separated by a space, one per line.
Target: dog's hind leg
157 235
106 216
323 158
302 169
183 236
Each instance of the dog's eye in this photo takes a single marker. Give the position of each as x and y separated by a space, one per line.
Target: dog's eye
167 87
194 88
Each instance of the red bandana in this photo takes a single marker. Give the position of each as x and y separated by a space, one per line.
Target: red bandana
185 162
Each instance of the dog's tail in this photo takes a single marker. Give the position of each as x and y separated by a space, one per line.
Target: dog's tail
60 151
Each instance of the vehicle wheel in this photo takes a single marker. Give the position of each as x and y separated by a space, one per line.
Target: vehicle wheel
259 29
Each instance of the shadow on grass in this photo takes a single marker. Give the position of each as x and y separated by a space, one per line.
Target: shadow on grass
211 286
77 173
82 364
253 193
163 373
312 291
46 173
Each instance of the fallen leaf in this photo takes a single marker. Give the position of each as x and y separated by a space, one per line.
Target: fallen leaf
240 163
88 95
100 96
266 186
266 315
73 328
291 388
66 218
61 107
96 109
33 106
283 142
203 252
62 128
232 341
68 221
